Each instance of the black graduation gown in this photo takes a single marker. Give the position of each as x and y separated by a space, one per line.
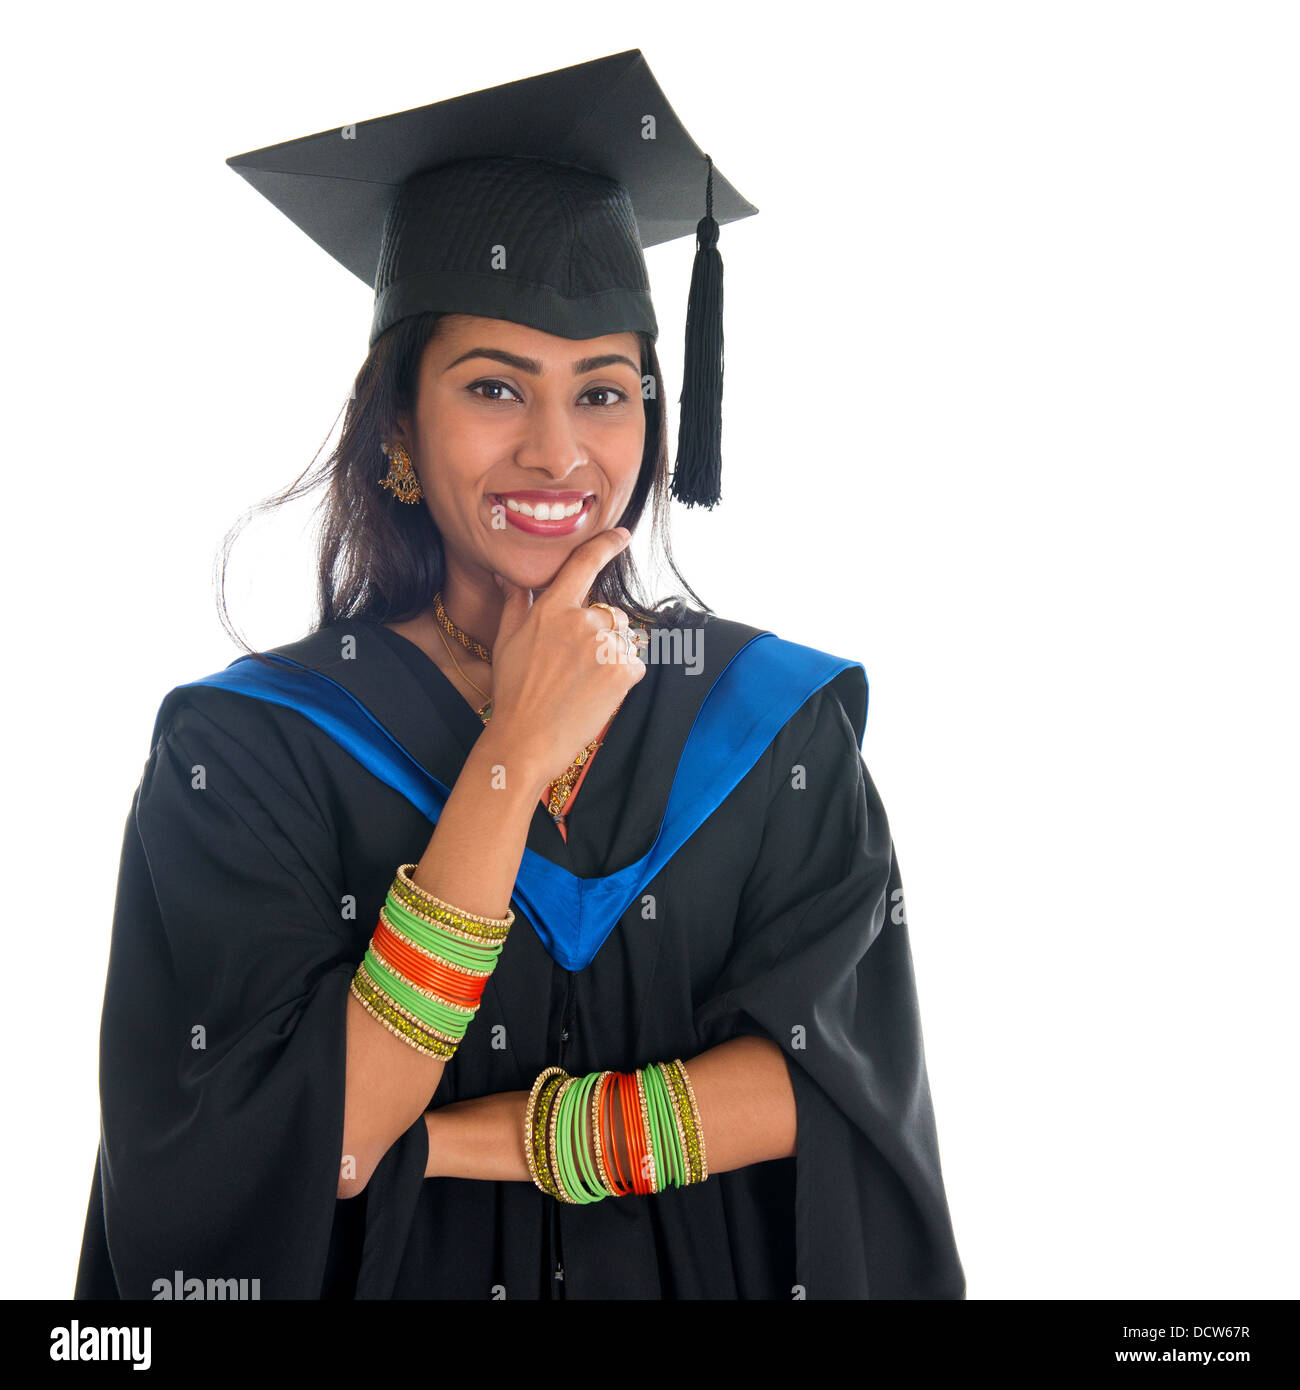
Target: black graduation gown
782 916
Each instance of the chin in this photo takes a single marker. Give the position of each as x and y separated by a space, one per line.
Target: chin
532 577
536 572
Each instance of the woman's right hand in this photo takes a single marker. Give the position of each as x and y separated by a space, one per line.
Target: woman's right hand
556 680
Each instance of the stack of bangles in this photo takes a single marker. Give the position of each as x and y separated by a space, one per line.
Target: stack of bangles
573 1150
426 967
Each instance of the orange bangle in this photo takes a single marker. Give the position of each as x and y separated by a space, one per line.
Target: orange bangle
612 1165
628 1142
421 968
643 1139
636 1139
424 972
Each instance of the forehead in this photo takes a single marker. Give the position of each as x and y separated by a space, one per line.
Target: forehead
458 333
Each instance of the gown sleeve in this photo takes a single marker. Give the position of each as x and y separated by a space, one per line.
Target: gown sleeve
223 1038
821 964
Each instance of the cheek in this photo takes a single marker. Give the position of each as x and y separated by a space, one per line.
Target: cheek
633 449
454 438
627 433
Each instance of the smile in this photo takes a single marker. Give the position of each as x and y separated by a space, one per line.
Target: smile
545 514
555 508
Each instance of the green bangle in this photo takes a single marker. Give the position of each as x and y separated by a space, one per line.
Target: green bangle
444 927
562 1107
428 904
385 1012
451 922
654 1175
582 1137
414 1004
571 1168
453 1023
440 944
379 992
662 1158
665 1150
430 1011
677 1124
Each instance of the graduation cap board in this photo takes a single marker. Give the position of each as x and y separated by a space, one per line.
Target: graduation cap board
531 202
753 697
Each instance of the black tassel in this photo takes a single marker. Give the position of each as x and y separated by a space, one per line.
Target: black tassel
697 479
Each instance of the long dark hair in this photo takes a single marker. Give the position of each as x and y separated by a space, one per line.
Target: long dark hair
382 560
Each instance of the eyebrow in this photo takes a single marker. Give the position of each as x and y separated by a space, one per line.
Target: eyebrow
534 368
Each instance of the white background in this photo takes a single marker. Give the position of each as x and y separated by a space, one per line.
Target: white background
1010 418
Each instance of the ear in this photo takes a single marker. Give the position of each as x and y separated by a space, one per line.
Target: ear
401 434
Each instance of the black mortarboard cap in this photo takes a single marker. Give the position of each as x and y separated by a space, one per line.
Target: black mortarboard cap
530 202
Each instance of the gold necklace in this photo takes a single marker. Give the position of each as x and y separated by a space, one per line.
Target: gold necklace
466 641
562 788
484 711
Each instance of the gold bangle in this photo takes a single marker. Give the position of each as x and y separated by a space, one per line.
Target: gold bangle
404 873
645 1124
675 1103
451 922
597 1099
530 1151
483 943
384 1000
560 1189
689 1122
541 1128
686 1126
403 1028
695 1115
374 991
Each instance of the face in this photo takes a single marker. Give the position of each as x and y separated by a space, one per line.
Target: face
510 420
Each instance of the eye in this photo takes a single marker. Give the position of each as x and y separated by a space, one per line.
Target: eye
499 385
621 396
614 396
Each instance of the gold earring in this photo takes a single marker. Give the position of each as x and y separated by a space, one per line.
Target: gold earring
401 479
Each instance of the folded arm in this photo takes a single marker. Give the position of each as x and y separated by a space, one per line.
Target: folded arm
742 1088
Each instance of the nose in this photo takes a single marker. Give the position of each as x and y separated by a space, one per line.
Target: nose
551 442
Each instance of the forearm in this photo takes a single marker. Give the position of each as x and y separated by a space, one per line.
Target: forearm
472 861
742 1089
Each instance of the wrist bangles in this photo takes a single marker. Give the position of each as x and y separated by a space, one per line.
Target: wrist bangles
427 965
573 1149
422 978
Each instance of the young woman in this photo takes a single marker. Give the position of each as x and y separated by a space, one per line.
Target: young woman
385 890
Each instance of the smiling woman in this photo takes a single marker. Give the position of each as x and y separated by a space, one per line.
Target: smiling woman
521 432
458 952
537 425
530 451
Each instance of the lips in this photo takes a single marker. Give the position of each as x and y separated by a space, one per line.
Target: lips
571 510
542 505
542 495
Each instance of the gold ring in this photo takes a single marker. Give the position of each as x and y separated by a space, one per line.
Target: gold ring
613 617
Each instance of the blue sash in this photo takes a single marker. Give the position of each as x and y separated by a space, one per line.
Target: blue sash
752 699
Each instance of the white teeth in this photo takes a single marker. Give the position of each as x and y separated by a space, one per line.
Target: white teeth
545 511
